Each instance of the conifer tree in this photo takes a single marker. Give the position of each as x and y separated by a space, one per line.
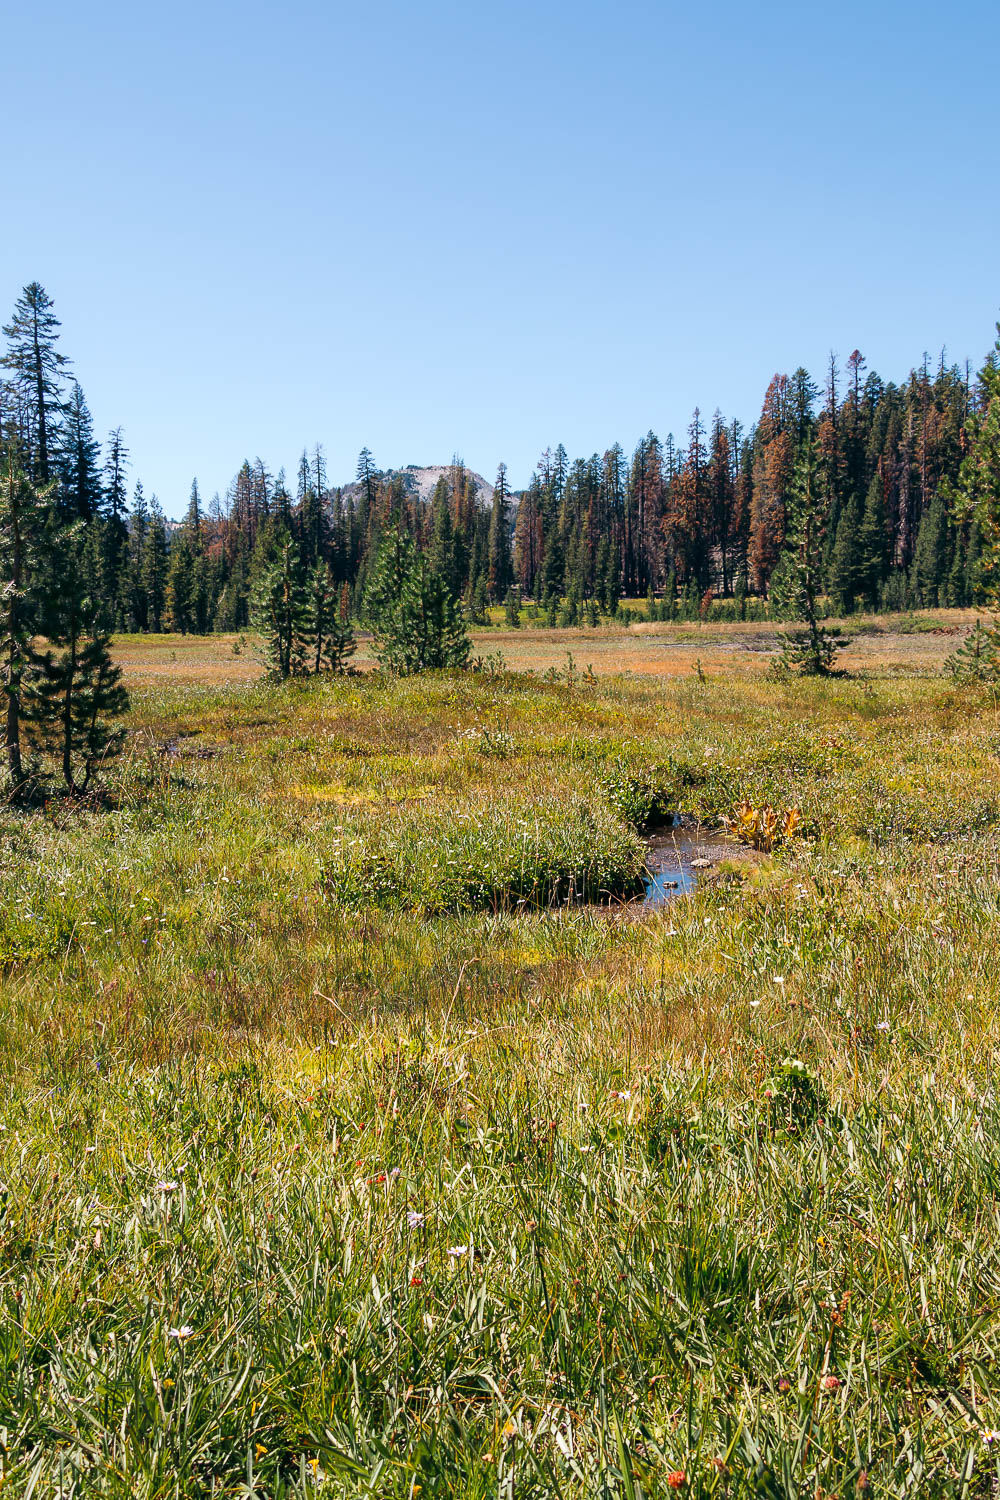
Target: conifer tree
79 456
443 551
116 525
795 584
512 608
330 637
22 524
181 602
279 610
845 559
73 688
872 543
931 558
32 335
979 476
154 565
138 602
500 563
415 617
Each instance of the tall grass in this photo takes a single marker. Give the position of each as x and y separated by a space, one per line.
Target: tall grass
329 1167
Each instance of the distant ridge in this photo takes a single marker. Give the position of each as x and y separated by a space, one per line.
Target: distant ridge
419 482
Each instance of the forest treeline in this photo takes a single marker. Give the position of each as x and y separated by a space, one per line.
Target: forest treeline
696 527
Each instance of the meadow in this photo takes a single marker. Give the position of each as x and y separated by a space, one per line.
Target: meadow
363 1133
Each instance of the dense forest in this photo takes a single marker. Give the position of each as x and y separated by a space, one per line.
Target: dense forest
695 528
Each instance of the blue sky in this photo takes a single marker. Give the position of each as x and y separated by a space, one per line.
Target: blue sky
480 229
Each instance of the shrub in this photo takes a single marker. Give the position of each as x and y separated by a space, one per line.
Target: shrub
795 1095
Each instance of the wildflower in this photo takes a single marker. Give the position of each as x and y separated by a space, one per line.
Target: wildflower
260 1449
990 1436
457 1251
180 1334
621 1093
414 1219
779 979
830 1383
531 1225
784 1385
165 1188
416 1281
677 1480
882 1026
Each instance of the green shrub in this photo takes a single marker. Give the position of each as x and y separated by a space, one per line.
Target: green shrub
795 1095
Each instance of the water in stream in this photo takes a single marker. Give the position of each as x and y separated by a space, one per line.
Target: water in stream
676 857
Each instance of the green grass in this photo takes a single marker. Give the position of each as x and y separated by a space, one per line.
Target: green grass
341 1157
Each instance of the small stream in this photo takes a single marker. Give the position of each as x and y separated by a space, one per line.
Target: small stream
677 856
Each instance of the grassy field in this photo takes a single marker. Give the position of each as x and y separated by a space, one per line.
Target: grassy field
343 1152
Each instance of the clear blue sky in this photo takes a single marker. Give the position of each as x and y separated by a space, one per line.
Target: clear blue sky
446 227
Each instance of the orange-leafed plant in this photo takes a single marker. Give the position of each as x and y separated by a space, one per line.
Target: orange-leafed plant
763 828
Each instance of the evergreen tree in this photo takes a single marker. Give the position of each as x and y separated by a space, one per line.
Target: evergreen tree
931 558
181 602
501 572
331 639
116 525
871 561
74 688
32 335
279 610
979 476
416 618
79 460
153 572
845 560
795 584
479 602
512 608
22 523
138 526
443 551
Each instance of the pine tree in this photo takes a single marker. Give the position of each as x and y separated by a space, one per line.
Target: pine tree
443 551
138 526
479 602
32 335
331 639
512 608
979 476
416 619
872 543
116 524
501 571
931 558
795 584
22 524
73 688
79 459
181 602
279 610
845 559
155 561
